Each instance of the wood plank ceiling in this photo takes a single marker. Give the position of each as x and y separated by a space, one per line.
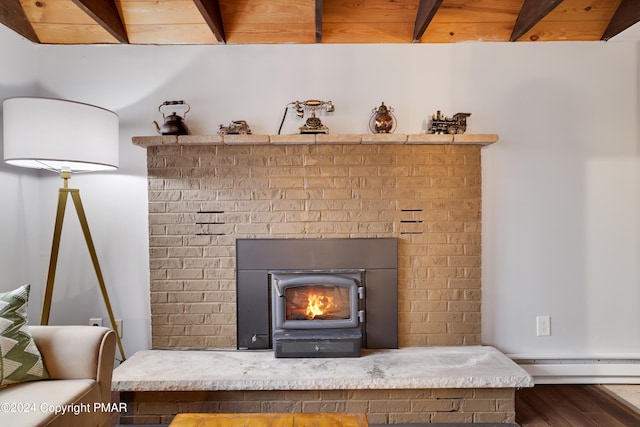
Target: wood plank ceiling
171 22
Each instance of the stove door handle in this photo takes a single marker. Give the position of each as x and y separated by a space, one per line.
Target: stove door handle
276 286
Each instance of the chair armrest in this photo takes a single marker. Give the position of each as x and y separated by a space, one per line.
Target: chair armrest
78 352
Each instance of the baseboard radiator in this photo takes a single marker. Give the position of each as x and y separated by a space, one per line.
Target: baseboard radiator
581 369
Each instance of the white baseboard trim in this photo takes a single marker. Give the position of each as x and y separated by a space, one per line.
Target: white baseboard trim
581 369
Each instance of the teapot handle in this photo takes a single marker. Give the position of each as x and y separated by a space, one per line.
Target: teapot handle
165 103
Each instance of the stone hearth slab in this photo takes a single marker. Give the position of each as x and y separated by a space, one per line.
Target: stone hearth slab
406 368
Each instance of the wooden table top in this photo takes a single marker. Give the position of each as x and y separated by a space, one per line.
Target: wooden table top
271 420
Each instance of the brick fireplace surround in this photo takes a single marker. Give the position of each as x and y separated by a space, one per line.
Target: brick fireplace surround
205 193
203 197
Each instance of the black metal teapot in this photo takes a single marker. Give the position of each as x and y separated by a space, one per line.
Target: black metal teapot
173 124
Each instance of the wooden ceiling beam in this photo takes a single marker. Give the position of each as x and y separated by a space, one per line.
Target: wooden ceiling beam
426 11
210 11
627 14
318 21
531 13
12 16
105 13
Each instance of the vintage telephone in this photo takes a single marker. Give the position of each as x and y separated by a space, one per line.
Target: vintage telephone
313 123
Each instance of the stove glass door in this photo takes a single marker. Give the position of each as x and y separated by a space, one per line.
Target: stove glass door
317 302
314 301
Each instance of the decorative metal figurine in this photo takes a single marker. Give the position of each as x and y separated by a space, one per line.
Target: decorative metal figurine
455 124
382 120
313 123
237 127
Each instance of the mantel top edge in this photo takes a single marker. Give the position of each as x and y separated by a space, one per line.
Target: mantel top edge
311 139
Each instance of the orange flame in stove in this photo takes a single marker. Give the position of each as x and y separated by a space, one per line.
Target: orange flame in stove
319 305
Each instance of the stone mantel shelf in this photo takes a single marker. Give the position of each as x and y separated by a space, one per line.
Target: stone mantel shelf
311 139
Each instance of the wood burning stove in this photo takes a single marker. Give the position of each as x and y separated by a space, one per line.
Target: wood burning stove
317 313
317 297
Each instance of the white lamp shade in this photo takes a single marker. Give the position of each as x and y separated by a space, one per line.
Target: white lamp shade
55 134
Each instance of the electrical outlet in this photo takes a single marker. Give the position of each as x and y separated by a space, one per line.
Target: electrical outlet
543 325
95 321
119 327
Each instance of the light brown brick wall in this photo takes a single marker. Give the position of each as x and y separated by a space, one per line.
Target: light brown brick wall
201 198
381 406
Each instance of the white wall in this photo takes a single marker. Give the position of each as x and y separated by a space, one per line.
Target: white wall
20 244
561 211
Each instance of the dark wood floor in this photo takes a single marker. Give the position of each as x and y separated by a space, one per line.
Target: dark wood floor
572 406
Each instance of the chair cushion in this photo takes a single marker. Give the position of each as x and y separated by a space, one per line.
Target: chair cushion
51 403
20 359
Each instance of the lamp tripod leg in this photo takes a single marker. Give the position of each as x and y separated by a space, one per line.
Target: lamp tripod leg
75 195
53 262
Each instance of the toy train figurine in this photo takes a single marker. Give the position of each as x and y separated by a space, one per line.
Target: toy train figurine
455 124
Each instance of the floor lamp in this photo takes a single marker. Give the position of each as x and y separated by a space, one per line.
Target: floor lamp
64 137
